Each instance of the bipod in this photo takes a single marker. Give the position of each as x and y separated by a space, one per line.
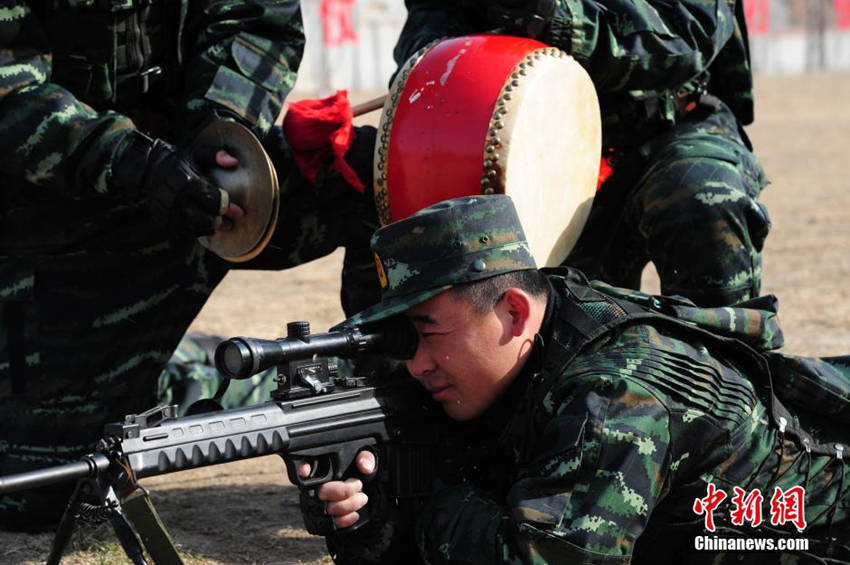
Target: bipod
109 507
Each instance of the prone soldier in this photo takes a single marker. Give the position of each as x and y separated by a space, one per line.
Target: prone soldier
614 419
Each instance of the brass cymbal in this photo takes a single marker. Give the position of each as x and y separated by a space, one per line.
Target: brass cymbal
252 185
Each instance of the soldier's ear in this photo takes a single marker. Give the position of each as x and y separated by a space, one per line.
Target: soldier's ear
517 303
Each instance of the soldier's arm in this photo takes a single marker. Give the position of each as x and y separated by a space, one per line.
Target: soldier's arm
642 44
50 139
428 20
595 474
241 60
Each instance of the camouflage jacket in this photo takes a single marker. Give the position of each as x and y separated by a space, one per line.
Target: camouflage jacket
605 447
70 70
646 58
90 289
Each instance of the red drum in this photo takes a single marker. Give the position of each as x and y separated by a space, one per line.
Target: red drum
486 114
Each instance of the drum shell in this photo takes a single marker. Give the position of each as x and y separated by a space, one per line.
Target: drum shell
447 126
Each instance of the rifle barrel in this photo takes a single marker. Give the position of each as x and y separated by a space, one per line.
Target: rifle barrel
89 466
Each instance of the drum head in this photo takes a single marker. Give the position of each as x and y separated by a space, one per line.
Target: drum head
488 114
252 185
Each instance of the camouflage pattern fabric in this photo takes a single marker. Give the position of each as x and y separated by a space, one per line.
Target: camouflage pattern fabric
817 385
93 296
190 375
233 62
634 51
687 200
603 459
675 85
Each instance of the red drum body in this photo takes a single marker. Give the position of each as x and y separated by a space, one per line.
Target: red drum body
486 114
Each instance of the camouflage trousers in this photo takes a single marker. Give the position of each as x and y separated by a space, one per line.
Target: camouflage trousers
190 376
687 201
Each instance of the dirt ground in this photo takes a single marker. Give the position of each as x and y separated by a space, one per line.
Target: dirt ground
248 513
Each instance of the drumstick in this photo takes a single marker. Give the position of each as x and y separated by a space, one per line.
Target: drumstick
369 106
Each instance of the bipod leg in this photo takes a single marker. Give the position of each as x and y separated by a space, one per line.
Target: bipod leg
123 529
66 525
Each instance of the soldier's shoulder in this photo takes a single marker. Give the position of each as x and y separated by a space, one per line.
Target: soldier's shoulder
606 377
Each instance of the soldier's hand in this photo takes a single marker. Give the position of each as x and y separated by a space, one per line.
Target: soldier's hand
344 498
234 212
181 198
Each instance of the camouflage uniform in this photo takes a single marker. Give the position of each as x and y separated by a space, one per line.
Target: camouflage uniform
627 408
675 86
94 297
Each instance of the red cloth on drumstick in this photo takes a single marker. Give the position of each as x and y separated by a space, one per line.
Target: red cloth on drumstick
319 130
606 169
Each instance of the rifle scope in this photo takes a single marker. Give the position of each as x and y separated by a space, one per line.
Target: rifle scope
241 357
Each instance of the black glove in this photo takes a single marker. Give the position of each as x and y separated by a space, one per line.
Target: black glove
523 17
180 198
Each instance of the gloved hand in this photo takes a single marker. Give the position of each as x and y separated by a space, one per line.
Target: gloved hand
180 197
523 17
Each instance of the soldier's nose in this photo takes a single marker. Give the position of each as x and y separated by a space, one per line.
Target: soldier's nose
420 364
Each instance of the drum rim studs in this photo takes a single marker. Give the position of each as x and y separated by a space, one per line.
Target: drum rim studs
380 187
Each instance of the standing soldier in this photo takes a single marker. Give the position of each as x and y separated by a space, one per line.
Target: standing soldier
100 269
675 86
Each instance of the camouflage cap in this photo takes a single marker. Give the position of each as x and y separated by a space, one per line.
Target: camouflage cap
452 242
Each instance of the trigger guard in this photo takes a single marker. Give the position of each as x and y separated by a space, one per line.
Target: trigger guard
336 462
292 467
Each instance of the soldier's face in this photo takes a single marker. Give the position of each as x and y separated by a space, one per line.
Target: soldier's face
464 360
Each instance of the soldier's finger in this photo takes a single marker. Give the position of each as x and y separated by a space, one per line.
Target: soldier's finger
304 470
225 159
347 506
338 490
197 222
205 196
366 462
235 212
346 521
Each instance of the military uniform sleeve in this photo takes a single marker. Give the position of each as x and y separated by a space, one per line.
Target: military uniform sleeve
50 139
241 60
593 476
642 44
427 20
